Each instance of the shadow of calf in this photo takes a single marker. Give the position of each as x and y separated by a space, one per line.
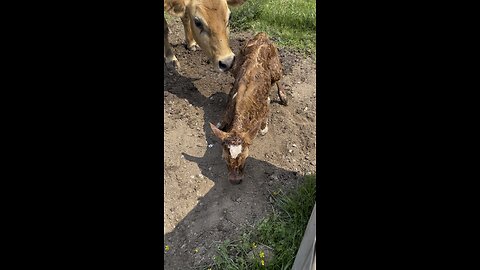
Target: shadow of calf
224 210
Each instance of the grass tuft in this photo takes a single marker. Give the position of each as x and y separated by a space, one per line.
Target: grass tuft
274 242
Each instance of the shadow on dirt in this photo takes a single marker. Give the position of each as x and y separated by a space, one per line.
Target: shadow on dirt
225 208
183 88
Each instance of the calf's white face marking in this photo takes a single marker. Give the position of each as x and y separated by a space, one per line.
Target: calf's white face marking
235 150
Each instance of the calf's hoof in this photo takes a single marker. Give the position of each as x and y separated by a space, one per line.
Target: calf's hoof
264 131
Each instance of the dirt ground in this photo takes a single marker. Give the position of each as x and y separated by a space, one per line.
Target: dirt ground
201 208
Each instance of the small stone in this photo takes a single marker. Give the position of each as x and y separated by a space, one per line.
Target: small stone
294 145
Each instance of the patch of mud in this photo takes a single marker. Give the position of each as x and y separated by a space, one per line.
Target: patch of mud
201 207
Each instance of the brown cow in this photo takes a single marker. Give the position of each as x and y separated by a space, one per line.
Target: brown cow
258 67
206 24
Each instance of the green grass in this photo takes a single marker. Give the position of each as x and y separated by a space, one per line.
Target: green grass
291 22
282 231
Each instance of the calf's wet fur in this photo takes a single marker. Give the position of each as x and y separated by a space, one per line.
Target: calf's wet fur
256 70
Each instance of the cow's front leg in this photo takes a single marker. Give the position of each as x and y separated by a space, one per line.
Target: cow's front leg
190 42
281 93
168 55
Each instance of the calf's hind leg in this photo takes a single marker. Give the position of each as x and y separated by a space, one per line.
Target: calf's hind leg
168 55
281 93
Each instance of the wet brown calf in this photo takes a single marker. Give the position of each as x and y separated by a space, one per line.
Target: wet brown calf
257 68
205 23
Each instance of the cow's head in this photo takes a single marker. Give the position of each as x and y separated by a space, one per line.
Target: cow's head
235 152
209 21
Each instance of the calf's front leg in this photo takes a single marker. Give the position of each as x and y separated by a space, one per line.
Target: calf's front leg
264 125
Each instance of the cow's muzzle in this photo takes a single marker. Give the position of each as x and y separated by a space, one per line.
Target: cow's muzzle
226 63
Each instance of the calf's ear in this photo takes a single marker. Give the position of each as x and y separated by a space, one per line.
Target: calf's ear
220 134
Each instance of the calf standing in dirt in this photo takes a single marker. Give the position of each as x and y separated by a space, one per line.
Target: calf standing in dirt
256 70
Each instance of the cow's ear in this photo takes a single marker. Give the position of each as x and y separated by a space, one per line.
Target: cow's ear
220 134
235 2
175 7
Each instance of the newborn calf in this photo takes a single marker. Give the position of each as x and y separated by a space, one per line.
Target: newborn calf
258 67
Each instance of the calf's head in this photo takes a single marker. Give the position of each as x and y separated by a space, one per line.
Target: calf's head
235 152
209 23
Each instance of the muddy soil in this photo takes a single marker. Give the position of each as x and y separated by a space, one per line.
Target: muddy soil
201 208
